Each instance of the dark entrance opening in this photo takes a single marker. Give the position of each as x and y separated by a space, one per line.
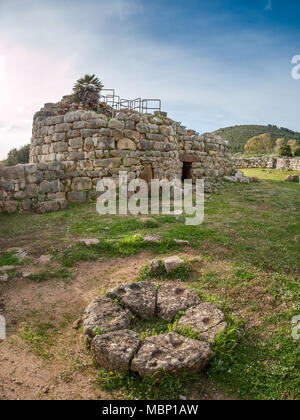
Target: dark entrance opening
186 171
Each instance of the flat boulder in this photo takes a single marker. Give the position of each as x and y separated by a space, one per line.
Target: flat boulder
173 354
205 319
105 315
172 264
172 299
140 298
115 350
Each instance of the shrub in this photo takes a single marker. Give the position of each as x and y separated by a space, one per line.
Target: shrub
20 155
286 151
297 152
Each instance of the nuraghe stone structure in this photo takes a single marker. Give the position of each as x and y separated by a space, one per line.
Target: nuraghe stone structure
72 149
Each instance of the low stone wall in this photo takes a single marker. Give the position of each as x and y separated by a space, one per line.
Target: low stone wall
283 164
256 162
41 187
288 164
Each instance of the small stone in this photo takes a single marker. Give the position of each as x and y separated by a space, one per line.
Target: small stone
152 238
140 298
181 242
115 351
44 259
292 178
172 264
173 354
155 266
76 324
89 242
7 268
172 299
4 278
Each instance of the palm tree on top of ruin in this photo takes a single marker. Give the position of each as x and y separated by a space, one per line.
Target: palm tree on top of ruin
87 91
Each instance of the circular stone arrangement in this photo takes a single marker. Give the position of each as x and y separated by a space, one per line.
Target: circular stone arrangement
107 322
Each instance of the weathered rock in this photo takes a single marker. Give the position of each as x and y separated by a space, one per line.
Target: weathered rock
205 319
152 238
172 299
115 350
7 268
47 207
292 178
4 278
155 266
89 242
140 298
173 354
105 315
44 259
181 242
172 264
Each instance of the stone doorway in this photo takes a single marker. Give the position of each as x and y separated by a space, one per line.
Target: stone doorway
186 171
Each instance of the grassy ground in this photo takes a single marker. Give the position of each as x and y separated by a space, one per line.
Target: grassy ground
248 249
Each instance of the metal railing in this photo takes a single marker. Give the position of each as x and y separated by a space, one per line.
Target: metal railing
143 106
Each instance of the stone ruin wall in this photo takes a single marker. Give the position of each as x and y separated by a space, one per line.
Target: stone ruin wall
267 162
71 150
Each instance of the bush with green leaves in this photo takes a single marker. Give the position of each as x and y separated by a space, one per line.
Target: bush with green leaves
286 151
297 152
16 156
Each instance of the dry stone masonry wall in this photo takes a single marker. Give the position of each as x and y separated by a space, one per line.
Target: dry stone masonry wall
72 149
284 164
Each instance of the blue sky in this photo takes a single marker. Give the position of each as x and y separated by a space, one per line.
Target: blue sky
213 63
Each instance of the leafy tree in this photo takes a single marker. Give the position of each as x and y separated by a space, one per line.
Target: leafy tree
297 152
87 91
279 142
259 144
293 144
20 155
286 151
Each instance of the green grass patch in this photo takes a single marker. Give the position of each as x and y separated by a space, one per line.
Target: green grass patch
9 258
56 274
40 339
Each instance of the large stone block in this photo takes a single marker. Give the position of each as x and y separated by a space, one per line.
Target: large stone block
82 184
77 197
76 143
117 124
126 144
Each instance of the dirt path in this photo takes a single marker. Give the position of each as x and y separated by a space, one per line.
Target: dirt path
69 373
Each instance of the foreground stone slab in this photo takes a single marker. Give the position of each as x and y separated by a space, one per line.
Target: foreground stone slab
115 350
206 319
105 315
140 298
172 353
172 299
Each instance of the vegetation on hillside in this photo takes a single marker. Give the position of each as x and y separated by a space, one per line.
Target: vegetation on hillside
239 135
16 156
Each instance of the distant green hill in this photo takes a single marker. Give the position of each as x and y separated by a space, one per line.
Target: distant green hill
240 134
